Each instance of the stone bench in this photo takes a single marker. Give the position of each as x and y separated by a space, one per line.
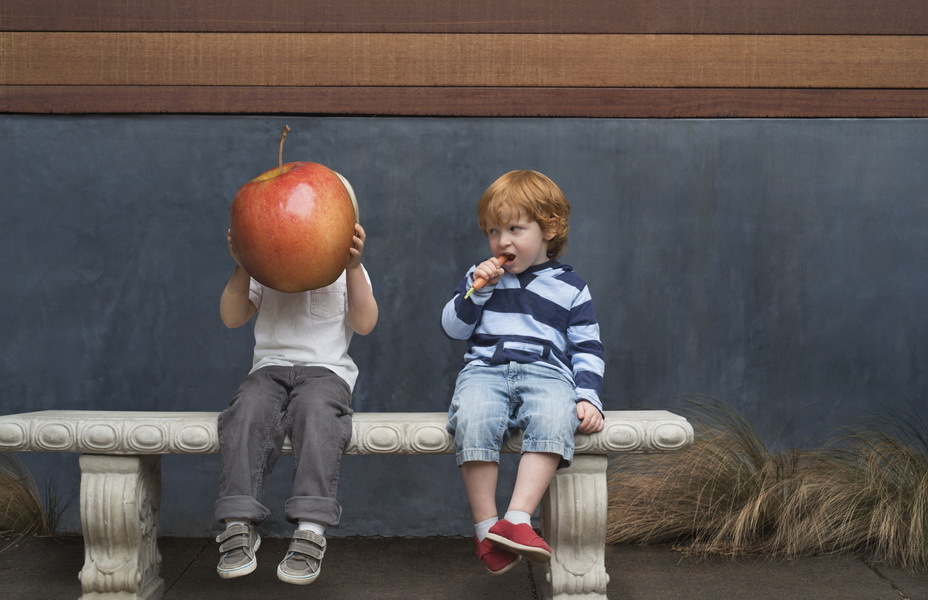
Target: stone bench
121 483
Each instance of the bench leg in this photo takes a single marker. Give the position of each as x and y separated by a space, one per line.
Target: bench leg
120 498
574 524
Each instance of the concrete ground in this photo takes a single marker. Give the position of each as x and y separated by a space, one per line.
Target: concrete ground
446 568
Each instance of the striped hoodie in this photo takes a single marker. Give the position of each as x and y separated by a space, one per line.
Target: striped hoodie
543 316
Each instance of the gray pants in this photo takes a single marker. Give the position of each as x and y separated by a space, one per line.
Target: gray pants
310 404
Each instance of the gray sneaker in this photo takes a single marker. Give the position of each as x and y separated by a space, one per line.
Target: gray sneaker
237 546
303 562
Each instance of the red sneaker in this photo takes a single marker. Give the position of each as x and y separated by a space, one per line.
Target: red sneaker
520 539
497 561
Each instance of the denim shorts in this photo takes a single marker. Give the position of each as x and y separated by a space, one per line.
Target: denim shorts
490 402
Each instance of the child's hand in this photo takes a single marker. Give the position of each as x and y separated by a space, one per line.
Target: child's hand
231 248
591 420
358 248
490 270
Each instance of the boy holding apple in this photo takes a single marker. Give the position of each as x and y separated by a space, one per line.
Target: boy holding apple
300 386
534 362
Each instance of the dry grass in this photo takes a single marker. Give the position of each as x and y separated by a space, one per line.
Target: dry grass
867 492
723 494
22 512
864 492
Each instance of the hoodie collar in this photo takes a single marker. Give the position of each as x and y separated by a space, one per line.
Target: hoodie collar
526 276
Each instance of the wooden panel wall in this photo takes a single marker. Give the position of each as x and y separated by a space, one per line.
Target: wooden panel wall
593 58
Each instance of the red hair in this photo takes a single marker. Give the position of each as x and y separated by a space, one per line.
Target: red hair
532 194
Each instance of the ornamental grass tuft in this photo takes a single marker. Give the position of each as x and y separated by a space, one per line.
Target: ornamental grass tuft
22 511
868 493
864 492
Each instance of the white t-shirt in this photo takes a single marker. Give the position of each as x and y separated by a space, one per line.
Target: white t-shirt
304 329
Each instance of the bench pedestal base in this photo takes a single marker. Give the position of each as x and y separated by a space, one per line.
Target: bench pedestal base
574 524
120 499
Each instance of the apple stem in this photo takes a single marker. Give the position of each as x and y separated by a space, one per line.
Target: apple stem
280 149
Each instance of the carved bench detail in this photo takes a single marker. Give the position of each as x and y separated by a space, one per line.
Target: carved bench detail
121 483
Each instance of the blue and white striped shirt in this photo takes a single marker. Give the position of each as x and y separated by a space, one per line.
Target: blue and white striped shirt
541 316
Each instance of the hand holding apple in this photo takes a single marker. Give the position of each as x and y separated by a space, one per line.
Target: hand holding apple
293 226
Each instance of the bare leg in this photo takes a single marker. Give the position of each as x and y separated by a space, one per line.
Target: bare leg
536 469
480 479
514 533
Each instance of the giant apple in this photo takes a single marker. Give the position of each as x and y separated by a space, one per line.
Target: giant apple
292 226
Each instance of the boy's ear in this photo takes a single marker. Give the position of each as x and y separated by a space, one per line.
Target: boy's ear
551 228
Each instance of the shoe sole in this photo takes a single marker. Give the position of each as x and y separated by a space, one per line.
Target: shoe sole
244 569
506 568
531 552
296 580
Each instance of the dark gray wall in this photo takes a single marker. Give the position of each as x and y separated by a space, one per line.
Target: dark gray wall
777 265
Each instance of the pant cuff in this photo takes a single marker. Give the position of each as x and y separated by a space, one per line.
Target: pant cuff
325 511
245 508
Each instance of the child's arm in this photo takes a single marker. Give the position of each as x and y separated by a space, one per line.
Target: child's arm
585 351
235 307
362 307
461 314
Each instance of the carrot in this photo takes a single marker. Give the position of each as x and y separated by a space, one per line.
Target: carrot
479 282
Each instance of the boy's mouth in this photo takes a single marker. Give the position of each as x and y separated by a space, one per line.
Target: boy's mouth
507 257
